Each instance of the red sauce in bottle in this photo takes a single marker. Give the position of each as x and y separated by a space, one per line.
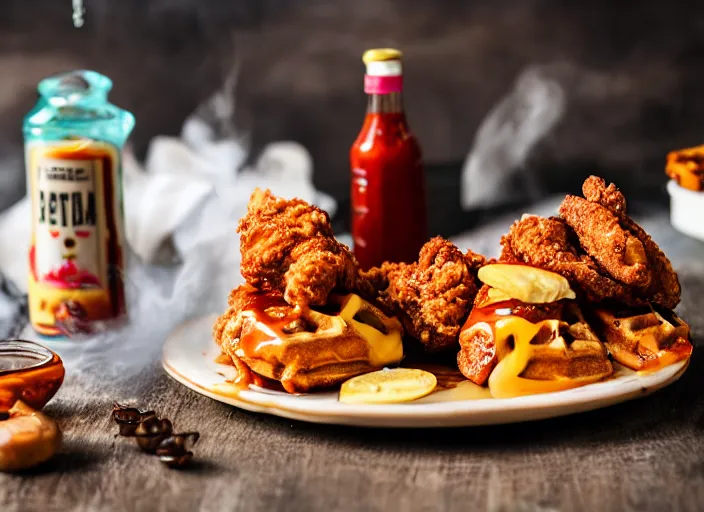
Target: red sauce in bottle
389 219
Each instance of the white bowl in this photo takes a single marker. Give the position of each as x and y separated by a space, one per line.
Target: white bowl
686 210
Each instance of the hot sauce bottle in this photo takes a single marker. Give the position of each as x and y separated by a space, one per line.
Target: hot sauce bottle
389 220
73 143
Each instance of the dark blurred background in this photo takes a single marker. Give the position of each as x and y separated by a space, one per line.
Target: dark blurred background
631 73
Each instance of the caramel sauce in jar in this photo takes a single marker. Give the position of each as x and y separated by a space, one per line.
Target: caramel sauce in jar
28 372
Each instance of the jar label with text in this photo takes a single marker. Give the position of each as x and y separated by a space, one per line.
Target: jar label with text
68 252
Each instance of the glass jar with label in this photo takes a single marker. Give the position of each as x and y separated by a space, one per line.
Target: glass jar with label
73 145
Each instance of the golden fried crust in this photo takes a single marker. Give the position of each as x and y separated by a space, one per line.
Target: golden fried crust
288 246
476 261
595 190
538 241
665 286
548 243
228 326
434 295
600 234
318 266
375 280
598 248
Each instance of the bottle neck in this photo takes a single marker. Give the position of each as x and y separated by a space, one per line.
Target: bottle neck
390 103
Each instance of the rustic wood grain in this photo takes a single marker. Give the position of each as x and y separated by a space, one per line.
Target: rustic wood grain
643 455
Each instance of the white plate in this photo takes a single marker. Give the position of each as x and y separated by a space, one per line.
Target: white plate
189 357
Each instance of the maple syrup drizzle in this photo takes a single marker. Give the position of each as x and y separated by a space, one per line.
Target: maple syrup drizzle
269 327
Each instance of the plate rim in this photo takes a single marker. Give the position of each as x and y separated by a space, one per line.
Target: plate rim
473 412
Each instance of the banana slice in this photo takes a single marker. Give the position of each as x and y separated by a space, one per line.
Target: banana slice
388 386
527 284
495 295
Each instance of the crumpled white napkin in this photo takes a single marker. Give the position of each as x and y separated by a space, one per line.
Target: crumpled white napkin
191 190
14 242
185 176
187 199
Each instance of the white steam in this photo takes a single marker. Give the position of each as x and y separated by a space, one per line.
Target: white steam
508 134
183 207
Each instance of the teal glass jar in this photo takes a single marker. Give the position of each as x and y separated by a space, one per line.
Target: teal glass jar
73 151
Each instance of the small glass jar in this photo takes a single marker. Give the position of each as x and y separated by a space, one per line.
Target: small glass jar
28 372
73 145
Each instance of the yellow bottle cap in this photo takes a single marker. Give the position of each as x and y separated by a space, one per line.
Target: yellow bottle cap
381 54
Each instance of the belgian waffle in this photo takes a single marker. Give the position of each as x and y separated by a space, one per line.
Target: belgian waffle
527 354
644 338
567 349
311 350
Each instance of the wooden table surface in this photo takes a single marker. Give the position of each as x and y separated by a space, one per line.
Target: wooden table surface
647 454
643 455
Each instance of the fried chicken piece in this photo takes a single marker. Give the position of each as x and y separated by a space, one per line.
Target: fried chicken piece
433 296
538 241
317 267
598 248
550 244
603 238
665 287
288 246
595 191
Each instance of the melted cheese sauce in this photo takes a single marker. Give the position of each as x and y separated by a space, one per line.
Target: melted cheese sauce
328 347
384 349
505 381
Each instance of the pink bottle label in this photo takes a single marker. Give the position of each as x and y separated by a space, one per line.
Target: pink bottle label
382 84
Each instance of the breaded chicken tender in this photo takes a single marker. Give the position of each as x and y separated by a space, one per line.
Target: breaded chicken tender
433 296
665 286
287 245
598 248
600 233
550 244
